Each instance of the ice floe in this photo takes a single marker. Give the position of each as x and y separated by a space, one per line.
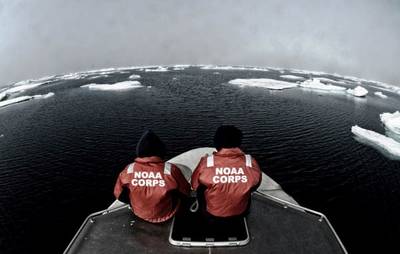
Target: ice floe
391 121
316 84
24 98
134 76
180 67
387 87
358 91
292 77
98 76
113 87
380 94
263 82
377 140
158 69
233 68
14 100
43 96
20 88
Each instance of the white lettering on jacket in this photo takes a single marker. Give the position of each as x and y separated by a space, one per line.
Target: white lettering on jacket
149 179
229 175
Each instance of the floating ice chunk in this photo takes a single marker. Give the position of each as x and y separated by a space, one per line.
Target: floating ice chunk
263 82
1 135
14 100
24 98
216 73
317 85
116 86
2 96
134 76
158 69
359 91
292 77
391 121
380 94
43 96
378 140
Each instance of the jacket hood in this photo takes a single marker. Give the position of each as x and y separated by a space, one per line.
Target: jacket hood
150 145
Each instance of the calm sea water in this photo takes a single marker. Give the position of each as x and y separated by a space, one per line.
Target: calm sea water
59 157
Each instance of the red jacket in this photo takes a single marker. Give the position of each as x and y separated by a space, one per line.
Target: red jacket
151 183
229 177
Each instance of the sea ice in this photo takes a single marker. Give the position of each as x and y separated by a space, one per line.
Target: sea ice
21 88
263 82
386 87
292 77
24 98
158 69
134 76
380 94
381 141
316 84
43 96
116 86
72 76
232 68
358 91
391 121
14 100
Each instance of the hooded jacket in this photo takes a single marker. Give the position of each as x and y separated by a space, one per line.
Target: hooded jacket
153 184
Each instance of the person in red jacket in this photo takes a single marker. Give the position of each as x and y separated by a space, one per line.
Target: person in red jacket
154 186
227 177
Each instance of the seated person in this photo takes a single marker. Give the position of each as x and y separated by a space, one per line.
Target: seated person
228 176
154 185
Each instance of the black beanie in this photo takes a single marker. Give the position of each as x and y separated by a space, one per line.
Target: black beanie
227 136
150 145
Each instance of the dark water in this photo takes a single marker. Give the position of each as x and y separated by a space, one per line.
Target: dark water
59 157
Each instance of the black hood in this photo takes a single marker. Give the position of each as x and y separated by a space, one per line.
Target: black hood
150 145
227 136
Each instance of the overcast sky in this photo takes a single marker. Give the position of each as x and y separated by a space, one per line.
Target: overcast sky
44 37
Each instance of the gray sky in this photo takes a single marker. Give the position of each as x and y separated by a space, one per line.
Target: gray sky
44 37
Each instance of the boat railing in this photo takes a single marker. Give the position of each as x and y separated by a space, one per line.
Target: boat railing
322 217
